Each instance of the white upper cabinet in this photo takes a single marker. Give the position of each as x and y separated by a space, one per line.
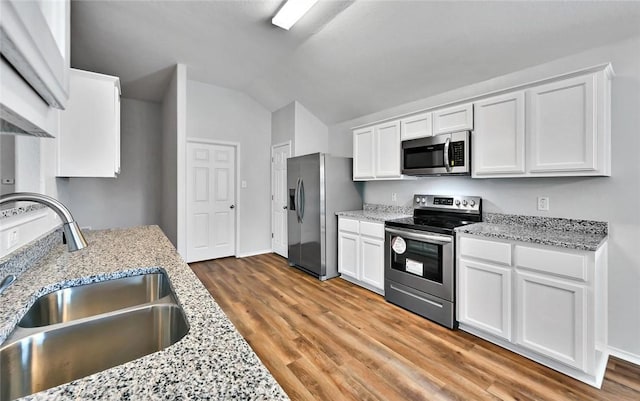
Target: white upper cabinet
558 127
387 143
417 126
363 153
452 119
499 135
376 152
562 126
35 65
89 141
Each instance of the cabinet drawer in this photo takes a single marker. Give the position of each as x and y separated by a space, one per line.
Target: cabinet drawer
349 225
567 264
488 250
375 230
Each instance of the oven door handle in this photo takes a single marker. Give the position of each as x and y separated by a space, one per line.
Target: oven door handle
432 239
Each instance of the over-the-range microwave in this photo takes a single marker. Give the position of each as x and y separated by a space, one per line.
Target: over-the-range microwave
447 154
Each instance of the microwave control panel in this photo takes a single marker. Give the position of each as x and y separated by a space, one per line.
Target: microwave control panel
457 154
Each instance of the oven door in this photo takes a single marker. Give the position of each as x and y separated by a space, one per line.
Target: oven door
438 155
420 260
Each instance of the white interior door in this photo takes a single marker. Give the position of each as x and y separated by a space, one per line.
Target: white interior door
211 201
279 156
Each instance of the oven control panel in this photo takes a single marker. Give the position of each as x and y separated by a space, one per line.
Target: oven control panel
448 202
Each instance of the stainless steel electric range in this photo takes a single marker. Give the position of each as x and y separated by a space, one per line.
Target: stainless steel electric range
420 255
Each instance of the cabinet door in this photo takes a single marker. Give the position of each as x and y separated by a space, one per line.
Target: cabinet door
498 138
348 254
484 297
418 126
88 144
363 154
372 261
116 101
452 119
561 126
551 318
387 150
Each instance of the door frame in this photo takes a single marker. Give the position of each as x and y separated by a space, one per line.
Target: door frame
273 146
236 146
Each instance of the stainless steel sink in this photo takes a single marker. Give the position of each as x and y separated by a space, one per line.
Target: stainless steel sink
96 298
37 358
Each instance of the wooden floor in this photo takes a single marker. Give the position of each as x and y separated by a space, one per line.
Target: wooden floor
336 341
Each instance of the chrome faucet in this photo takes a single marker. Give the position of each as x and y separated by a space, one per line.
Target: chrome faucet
75 239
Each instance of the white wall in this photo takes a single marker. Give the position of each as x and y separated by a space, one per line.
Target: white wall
168 187
612 199
133 198
283 125
226 115
297 124
311 133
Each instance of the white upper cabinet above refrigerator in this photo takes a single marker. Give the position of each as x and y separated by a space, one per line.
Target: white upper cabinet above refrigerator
89 141
35 65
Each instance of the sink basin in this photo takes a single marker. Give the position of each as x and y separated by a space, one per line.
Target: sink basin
65 341
96 298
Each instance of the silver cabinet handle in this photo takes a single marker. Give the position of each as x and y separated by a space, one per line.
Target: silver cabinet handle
446 154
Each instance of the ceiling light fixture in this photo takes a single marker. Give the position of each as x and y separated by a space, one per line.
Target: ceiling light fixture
291 12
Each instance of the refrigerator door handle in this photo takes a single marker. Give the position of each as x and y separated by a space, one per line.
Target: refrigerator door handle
297 200
301 200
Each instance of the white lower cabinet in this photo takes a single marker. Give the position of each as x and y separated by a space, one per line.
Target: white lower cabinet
348 253
551 317
546 303
361 253
372 257
486 303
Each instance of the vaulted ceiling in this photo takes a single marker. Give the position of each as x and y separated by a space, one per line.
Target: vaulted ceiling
344 59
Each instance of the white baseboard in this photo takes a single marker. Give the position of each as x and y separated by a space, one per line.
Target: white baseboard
253 253
624 355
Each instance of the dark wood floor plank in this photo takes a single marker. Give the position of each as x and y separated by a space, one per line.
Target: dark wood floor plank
333 340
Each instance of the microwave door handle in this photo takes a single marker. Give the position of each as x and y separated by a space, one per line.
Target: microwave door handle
432 239
446 154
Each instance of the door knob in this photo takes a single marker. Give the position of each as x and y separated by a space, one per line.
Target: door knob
284 207
232 206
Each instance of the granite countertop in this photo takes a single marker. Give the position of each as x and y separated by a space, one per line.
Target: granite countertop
211 362
378 213
564 233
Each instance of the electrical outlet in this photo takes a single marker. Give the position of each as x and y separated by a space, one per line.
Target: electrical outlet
543 203
394 197
12 239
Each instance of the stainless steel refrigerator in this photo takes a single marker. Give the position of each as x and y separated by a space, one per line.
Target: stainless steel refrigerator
319 186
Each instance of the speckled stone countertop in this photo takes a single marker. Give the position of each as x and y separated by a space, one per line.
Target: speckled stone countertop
211 362
378 213
584 235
